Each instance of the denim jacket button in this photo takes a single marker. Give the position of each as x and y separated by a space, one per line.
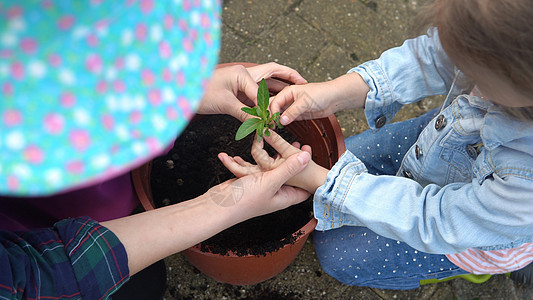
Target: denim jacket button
380 122
418 152
407 174
440 122
471 150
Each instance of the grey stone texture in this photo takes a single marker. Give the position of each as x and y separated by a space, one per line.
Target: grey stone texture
322 39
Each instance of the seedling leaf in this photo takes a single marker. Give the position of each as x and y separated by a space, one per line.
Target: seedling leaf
262 98
248 127
259 112
250 110
275 118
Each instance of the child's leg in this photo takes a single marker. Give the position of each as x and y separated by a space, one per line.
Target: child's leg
357 256
382 151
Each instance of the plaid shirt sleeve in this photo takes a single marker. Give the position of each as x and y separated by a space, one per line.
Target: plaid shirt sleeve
77 258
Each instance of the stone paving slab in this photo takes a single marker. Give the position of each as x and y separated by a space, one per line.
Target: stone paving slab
322 39
287 36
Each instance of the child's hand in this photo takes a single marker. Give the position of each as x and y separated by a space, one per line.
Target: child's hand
319 100
309 179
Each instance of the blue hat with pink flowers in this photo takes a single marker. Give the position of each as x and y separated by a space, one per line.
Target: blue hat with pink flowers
91 89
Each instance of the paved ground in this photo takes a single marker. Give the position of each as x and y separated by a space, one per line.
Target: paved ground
321 39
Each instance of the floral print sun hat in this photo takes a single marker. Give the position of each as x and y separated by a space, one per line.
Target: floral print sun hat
90 89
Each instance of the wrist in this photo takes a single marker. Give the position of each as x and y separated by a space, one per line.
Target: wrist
352 91
230 202
317 178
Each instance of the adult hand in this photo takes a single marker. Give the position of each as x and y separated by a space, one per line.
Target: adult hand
318 100
277 76
309 179
259 193
233 87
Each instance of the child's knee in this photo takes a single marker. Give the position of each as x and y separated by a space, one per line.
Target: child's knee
344 268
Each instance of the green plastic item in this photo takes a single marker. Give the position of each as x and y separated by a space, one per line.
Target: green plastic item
470 277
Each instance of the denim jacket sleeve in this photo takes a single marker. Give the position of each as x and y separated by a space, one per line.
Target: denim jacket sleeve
405 74
430 218
491 210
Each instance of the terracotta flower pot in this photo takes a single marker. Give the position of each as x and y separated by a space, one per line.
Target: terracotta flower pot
326 140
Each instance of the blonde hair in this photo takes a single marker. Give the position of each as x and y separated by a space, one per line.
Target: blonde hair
497 34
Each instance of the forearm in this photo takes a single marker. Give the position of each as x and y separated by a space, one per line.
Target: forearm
153 235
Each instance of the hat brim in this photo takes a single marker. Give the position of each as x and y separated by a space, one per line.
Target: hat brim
92 89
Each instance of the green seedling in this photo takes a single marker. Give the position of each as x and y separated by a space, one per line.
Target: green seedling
263 120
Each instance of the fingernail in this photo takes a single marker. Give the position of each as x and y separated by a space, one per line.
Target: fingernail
303 158
284 120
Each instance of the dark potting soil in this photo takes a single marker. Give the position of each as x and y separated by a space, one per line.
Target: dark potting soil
191 167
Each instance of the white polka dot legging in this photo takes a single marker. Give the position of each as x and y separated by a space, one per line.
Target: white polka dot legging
356 255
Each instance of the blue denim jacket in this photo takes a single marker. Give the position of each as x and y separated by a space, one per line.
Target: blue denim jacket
473 185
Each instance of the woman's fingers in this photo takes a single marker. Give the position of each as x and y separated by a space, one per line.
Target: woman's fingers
290 195
275 85
246 84
274 70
